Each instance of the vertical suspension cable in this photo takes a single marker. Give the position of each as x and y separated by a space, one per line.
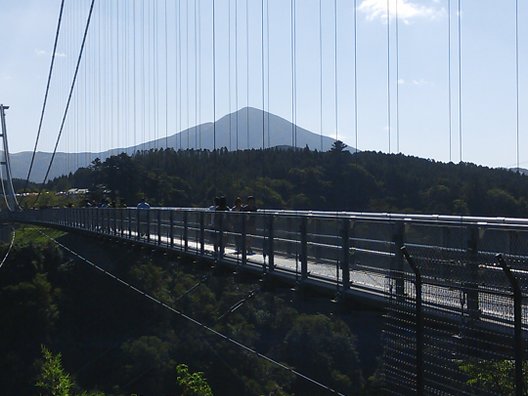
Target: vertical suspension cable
397 80
214 83
229 59
355 79
321 72
268 69
388 77
195 75
247 73
57 32
179 112
72 87
199 68
335 72
134 74
459 80
449 79
187 75
292 46
263 80
236 75
166 78
517 80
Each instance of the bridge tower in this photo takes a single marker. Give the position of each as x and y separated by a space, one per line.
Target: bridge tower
8 191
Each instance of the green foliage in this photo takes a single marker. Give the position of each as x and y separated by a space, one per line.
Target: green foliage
52 379
192 384
304 179
494 376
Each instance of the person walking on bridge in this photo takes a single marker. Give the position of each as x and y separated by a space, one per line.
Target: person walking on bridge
143 223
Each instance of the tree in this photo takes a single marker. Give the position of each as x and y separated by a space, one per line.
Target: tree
192 384
52 379
338 146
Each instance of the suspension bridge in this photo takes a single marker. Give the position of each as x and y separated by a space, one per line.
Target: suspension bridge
452 287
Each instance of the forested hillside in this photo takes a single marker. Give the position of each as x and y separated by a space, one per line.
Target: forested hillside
304 179
115 341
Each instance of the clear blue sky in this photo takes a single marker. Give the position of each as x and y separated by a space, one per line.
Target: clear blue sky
104 98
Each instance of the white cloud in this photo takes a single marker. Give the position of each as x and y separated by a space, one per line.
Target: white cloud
407 10
41 52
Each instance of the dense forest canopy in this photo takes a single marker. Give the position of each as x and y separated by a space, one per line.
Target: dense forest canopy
305 179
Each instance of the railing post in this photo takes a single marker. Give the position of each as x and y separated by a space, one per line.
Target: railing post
472 273
419 323
158 213
185 231
303 230
271 251
517 319
202 233
397 265
171 228
129 215
121 222
147 212
345 260
243 243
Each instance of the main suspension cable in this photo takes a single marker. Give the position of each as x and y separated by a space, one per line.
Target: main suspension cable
57 33
79 58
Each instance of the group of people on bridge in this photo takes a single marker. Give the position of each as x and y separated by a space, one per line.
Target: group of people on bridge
238 226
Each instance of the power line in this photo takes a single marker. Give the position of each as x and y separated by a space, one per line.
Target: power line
79 58
46 94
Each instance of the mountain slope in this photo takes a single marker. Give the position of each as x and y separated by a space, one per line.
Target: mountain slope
246 123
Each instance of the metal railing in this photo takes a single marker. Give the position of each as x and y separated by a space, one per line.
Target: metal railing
452 286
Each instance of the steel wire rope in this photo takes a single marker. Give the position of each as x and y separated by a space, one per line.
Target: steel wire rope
134 93
321 72
213 38
388 77
449 79
196 67
166 77
268 70
199 68
187 74
237 121
72 87
517 81
397 54
229 59
247 74
459 79
118 79
292 47
183 315
356 124
336 84
11 244
179 72
263 80
50 73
